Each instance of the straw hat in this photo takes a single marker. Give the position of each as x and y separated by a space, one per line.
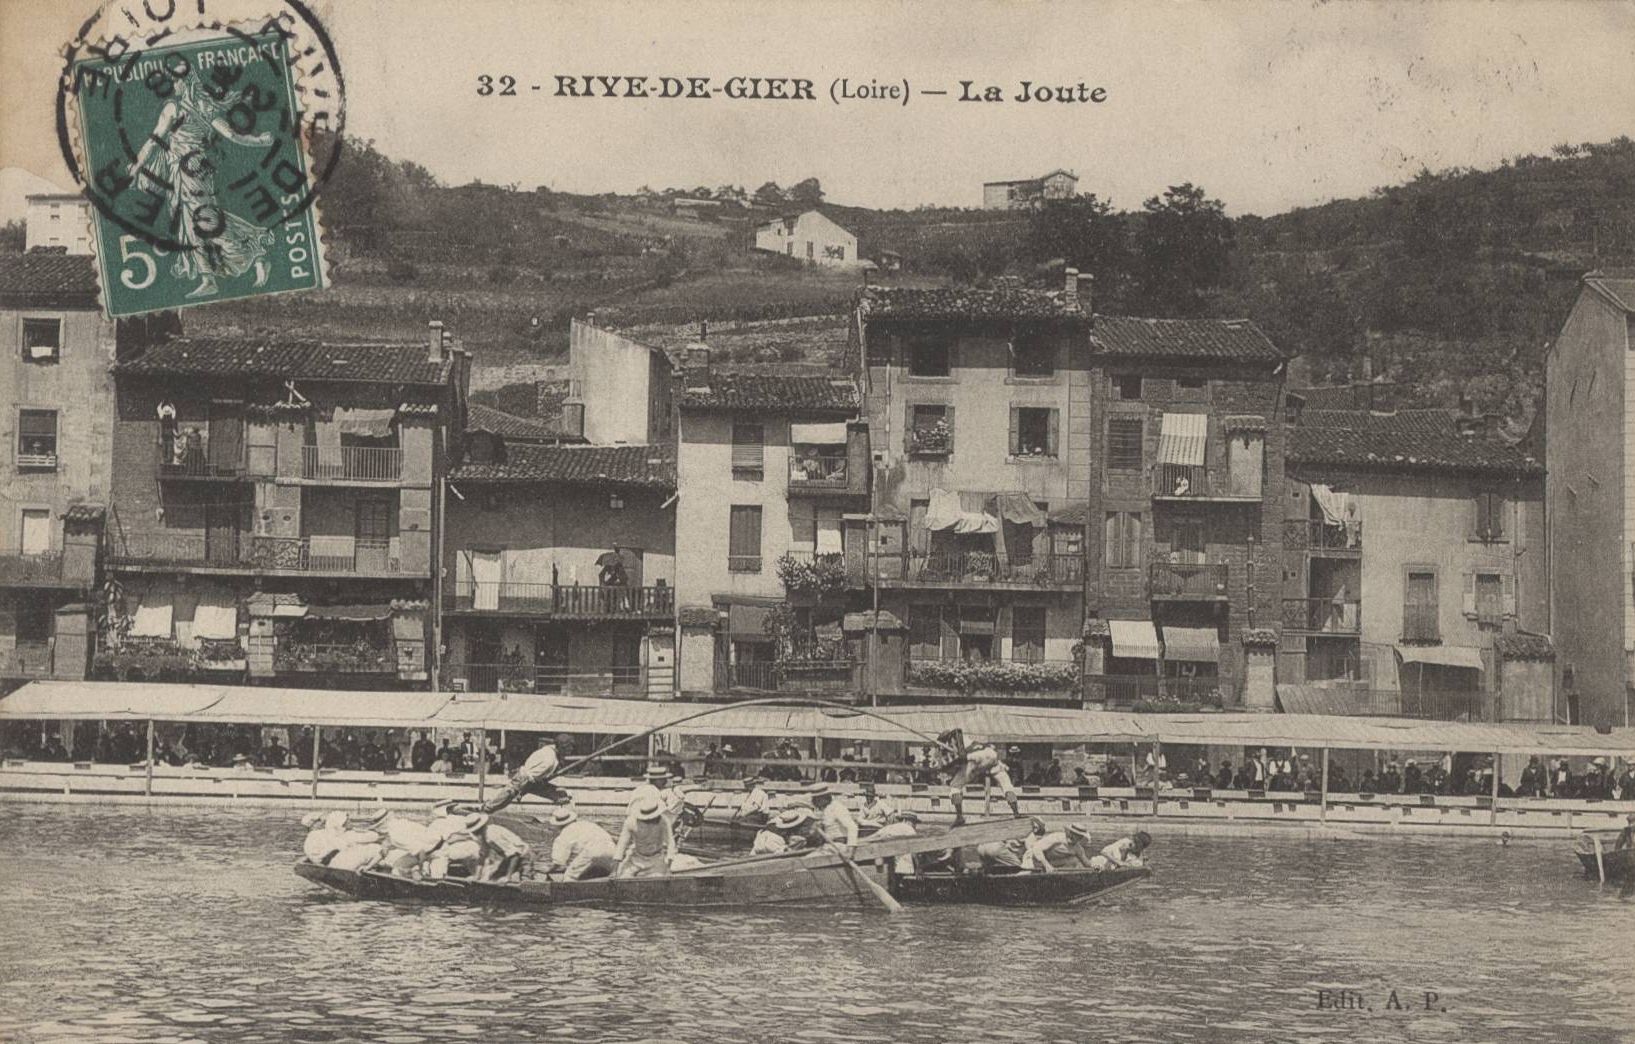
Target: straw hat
904 817
816 791
790 818
1079 831
562 816
656 772
239 759
369 819
649 810
335 820
444 807
476 821
312 819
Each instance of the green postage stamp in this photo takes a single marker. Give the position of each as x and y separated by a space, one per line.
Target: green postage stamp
195 160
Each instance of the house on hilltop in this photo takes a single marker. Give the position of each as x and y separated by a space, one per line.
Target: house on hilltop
1029 192
821 235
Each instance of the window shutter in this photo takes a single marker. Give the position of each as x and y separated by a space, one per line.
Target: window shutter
1002 630
1110 541
1053 448
950 636
1470 594
948 416
1495 516
747 451
1015 435
1509 583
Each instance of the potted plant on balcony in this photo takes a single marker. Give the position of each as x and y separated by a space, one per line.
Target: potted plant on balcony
932 439
824 574
994 675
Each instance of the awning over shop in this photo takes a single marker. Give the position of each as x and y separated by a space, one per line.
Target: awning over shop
1019 508
1442 655
1194 644
409 627
286 605
369 611
884 620
818 434
216 616
1181 439
373 424
1134 639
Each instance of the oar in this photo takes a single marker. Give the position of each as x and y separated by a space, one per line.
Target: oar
887 900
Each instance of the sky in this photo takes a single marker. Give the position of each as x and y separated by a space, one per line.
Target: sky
1267 105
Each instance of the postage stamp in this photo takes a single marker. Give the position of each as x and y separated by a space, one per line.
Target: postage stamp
195 158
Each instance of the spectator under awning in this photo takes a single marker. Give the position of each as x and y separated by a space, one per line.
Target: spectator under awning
1134 639
1181 439
1193 644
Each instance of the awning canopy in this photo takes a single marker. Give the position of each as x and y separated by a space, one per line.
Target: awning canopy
257 706
369 611
833 434
216 615
1181 439
1019 508
1134 639
1196 644
1442 655
153 617
374 424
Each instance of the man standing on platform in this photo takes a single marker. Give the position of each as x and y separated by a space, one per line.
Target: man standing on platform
975 762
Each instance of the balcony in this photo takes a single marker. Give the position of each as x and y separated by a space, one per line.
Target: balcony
1427 704
1196 483
826 472
190 459
1187 582
545 679
352 465
994 679
978 569
43 569
240 553
154 659
812 675
1322 616
578 601
361 657
1320 538
1149 691
26 660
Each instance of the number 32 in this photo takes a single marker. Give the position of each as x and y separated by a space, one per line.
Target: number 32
508 86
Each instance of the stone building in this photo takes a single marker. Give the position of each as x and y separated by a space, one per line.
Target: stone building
1029 192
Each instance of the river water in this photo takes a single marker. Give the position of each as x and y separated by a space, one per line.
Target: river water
178 925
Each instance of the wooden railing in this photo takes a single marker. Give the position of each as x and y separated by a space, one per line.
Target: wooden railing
334 657
1005 678
621 679
582 600
351 463
1187 580
1317 535
1180 480
984 567
1322 615
38 567
1127 690
255 553
824 470
785 676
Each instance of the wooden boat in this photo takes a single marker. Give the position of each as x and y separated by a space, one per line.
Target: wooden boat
1597 855
820 877
1063 887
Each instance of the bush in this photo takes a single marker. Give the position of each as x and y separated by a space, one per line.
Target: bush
994 675
826 574
402 272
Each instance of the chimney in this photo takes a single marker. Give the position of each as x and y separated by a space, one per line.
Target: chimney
590 317
434 341
1087 292
695 370
704 331
573 418
1467 406
1070 292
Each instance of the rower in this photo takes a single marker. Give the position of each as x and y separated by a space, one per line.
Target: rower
534 777
757 804
1126 851
837 823
462 850
408 844
774 837
1005 856
360 847
1048 852
655 785
877 810
325 835
977 761
581 851
646 842
899 824
505 853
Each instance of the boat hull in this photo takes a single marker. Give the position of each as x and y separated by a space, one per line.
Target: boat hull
1618 864
1061 888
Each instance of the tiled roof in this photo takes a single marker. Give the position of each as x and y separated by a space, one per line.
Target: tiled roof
417 409
1411 440
1526 647
772 391
47 275
810 340
1616 283
400 363
653 467
963 302
1233 339
84 513
508 425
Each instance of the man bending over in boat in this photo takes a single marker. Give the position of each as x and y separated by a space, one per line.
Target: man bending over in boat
776 836
1002 856
1049 852
1126 851
582 851
534 777
646 843
899 824
976 762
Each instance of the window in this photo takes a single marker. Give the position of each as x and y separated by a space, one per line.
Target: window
930 430
1124 444
1246 462
1033 355
36 534
1028 633
34 623
1033 432
37 439
1123 540
929 358
1489 517
1489 599
1127 386
1419 607
924 632
744 539
42 340
1191 388
748 450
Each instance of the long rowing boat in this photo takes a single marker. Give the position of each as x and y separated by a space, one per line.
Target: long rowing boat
1061 887
820 877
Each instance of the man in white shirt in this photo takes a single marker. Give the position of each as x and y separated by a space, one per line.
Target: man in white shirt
655 785
756 807
534 777
1051 851
877 810
581 851
646 843
326 834
836 820
900 824
1126 851
977 762
774 837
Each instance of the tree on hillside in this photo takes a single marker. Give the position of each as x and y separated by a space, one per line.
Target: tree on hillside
12 238
807 193
769 194
1183 250
1084 232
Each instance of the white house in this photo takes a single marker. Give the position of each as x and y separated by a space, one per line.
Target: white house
1029 192
59 219
812 236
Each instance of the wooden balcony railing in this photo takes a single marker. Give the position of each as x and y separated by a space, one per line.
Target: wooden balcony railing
37 461
1187 581
1123 691
786 676
334 657
19 570
982 567
1430 704
617 680
824 471
1322 615
573 600
351 463
341 556
1317 535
